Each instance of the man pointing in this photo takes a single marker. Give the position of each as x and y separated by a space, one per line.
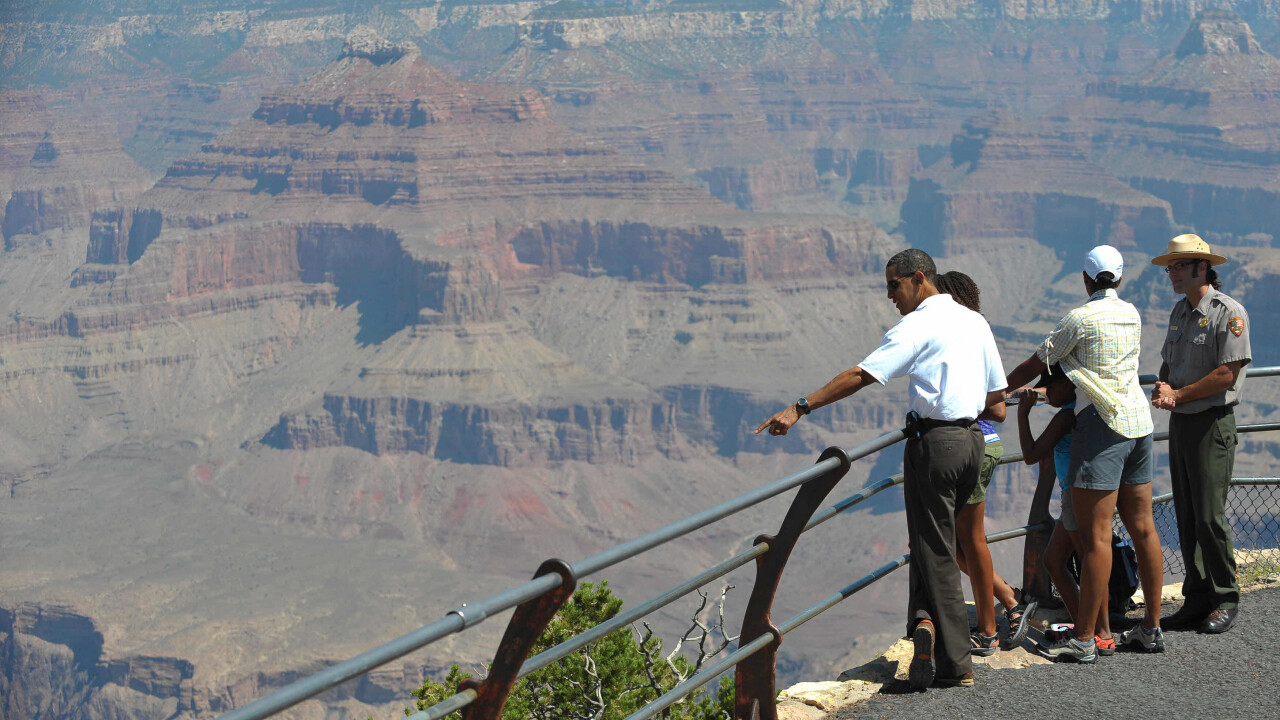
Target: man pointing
955 374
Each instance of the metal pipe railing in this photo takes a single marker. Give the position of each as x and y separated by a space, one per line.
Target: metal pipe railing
472 614
1249 372
703 677
658 537
462 699
568 647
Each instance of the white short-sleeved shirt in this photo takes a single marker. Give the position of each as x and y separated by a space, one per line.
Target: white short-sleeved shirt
948 352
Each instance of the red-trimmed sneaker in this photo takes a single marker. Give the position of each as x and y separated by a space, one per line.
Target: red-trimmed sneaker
1069 648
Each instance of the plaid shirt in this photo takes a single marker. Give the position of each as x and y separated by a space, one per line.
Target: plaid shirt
1097 345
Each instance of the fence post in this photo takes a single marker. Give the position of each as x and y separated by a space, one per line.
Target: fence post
528 622
1035 579
755 678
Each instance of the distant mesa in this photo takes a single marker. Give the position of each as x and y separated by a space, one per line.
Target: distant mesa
1218 32
365 42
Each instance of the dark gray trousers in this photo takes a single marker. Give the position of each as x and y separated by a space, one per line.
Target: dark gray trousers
1202 453
938 467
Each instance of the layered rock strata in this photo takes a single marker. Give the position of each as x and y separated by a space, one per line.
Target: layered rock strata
1010 179
56 170
1198 129
427 195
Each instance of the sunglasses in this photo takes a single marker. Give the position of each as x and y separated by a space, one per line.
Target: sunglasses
1171 268
893 284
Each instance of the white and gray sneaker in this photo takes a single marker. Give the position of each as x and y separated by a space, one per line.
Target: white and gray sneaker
1148 640
1068 647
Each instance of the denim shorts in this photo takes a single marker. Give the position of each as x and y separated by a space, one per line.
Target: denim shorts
1103 459
1068 515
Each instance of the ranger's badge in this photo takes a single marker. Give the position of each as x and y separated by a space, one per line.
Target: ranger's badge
1204 322
1236 325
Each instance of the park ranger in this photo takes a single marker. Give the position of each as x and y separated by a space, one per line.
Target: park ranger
1204 355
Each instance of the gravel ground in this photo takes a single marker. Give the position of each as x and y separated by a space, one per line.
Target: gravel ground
1235 675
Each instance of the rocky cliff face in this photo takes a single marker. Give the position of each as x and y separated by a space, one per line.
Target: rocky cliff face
700 254
612 431
1207 142
557 28
1007 179
53 667
55 170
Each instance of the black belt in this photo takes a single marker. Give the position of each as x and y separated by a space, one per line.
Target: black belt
917 426
1218 411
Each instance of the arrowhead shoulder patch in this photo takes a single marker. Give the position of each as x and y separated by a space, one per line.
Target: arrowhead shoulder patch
1236 325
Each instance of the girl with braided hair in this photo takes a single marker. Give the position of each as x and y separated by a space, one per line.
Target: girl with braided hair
972 554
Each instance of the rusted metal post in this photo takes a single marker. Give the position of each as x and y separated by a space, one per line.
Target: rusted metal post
1035 578
755 678
528 622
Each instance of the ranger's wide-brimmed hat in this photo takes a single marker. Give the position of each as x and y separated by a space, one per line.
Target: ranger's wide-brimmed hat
1188 247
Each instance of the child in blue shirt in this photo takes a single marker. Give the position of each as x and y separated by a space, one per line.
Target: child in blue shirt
1056 440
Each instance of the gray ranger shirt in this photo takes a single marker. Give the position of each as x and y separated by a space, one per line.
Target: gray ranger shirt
1213 333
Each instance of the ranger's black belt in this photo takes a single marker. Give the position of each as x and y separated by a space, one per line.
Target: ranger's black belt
1218 411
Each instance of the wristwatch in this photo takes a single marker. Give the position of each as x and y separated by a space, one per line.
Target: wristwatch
802 405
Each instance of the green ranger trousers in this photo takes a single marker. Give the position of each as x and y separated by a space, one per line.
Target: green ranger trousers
1202 452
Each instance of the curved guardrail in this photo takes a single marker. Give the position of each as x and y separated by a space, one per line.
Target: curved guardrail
537 600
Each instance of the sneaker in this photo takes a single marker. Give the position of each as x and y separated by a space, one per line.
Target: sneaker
1106 646
982 645
1069 648
921 671
1148 640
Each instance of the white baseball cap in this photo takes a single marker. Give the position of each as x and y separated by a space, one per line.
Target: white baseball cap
1103 258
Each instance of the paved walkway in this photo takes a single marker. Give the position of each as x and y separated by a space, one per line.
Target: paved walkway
1231 676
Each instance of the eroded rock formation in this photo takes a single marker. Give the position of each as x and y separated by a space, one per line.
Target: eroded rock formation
56 170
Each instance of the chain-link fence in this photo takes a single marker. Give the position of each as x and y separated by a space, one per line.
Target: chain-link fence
1253 510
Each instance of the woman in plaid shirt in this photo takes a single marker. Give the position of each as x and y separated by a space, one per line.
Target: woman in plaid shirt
1097 344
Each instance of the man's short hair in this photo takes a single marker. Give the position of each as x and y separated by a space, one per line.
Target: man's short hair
913 260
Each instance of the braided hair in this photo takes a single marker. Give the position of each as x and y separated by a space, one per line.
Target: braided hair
961 288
